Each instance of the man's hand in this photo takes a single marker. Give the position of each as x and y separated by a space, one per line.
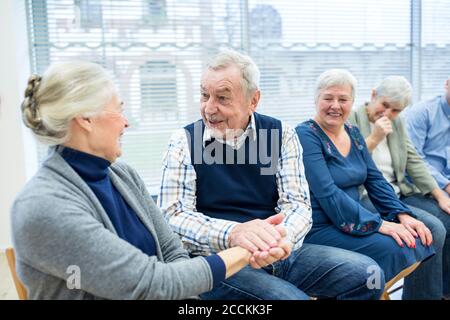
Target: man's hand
264 258
258 235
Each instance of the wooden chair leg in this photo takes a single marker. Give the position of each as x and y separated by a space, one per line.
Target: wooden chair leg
20 288
404 273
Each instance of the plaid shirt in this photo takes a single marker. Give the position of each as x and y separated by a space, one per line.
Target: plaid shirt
203 235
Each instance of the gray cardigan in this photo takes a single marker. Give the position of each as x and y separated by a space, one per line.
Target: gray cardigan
405 159
57 222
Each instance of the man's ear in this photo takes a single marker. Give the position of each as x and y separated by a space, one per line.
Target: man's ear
255 100
84 123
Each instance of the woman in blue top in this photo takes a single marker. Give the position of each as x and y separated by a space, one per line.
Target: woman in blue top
337 163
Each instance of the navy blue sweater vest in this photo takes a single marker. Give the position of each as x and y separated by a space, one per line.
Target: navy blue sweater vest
239 185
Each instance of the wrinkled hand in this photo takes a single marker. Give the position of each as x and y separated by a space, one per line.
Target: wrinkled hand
258 235
398 232
263 258
416 228
382 127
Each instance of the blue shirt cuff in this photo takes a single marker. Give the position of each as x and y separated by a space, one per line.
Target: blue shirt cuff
217 268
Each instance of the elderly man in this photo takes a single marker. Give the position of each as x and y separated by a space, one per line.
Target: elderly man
236 178
428 126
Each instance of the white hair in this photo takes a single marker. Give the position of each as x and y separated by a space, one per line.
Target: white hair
396 89
249 70
65 91
335 77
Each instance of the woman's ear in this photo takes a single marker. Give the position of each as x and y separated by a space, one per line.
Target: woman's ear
84 123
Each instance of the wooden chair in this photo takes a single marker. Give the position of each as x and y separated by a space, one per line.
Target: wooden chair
20 288
386 293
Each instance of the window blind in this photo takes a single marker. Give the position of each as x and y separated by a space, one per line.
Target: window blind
156 50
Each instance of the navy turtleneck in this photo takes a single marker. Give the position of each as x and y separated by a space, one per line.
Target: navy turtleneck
94 171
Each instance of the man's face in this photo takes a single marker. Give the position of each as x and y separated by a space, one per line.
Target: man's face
224 106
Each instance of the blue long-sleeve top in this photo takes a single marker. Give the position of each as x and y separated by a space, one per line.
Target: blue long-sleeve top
334 182
94 171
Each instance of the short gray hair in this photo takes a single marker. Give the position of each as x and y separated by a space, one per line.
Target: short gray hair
396 89
65 91
249 70
335 77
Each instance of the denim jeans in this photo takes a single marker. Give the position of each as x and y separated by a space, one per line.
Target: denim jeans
426 282
313 270
430 205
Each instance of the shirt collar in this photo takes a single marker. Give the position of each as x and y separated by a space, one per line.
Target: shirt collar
445 106
249 131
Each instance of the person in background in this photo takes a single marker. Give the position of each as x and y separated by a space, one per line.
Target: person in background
85 227
337 164
397 159
428 127
218 192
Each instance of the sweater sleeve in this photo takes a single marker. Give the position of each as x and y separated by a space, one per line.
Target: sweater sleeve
345 213
378 189
53 233
416 166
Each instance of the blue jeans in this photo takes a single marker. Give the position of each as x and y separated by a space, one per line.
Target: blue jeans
441 237
426 282
313 270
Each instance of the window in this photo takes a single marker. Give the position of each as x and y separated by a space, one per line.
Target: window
156 50
156 14
89 13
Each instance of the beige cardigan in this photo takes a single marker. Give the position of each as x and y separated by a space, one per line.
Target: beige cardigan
405 159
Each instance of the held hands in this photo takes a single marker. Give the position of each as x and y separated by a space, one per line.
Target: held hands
265 239
406 231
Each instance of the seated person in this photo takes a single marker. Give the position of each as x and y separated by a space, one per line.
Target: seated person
428 127
397 158
83 215
228 177
337 163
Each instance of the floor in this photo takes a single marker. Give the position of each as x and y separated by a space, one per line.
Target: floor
7 289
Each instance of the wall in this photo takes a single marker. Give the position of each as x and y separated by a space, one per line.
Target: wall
17 148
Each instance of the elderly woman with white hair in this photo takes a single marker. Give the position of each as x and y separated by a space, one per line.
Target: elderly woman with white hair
337 162
85 227
396 157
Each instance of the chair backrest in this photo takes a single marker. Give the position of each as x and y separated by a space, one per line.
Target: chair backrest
21 291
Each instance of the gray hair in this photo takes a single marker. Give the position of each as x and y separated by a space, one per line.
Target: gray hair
65 91
249 70
396 89
335 77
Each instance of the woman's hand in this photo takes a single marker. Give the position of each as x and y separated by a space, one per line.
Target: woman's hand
399 232
444 204
417 228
